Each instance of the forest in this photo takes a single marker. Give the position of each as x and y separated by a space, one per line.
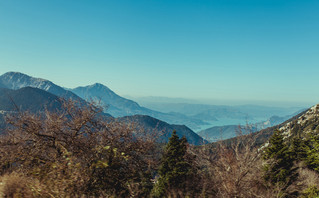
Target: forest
76 152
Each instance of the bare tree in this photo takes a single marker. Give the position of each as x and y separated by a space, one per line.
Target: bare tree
232 168
77 151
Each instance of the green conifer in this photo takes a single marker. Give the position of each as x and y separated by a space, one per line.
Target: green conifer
279 167
174 168
313 153
299 149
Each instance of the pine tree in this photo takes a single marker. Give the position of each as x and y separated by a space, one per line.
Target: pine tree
279 167
174 169
299 148
313 153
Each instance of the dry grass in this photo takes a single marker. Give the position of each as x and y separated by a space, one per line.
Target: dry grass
15 185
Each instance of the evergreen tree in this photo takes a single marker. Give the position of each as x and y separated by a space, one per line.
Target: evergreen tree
313 153
299 149
174 169
279 167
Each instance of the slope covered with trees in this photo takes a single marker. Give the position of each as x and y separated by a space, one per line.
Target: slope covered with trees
76 153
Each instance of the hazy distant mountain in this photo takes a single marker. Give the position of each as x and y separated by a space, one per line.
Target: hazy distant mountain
161 99
221 112
274 120
16 80
230 131
205 112
154 125
194 116
119 106
37 100
225 132
290 125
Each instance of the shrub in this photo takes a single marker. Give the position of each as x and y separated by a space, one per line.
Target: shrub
77 151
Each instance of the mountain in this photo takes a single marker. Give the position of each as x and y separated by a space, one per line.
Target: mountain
276 120
16 80
118 106
26 99
2 85
154 125
222 113
225 132
229 131
305 123
262 136
37 100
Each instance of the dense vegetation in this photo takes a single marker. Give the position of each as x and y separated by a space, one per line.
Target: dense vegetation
76 152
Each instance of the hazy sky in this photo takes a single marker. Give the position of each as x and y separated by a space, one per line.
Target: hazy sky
221 49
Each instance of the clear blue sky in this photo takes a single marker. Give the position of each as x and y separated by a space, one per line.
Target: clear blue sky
216 49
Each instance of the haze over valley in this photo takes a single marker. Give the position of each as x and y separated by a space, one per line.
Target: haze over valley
154 99
197 117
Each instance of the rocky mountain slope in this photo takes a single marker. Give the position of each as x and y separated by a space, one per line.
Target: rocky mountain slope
305 123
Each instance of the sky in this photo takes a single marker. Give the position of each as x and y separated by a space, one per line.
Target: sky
250 50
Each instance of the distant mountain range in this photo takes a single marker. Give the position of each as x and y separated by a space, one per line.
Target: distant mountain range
208 112
307 118
16 93
117 105
23 93
217 133
229 131
16 80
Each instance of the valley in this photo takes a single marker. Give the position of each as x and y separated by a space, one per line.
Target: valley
198 117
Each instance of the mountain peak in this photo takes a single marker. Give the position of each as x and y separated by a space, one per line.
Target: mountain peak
98 86
20 75
14 73
17 80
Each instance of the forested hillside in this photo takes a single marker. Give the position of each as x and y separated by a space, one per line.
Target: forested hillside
76 153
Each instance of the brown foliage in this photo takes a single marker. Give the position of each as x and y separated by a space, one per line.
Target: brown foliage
76 151
232 169
14 185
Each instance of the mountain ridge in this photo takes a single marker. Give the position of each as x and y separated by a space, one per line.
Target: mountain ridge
149 123
36 100
17 80
119 106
